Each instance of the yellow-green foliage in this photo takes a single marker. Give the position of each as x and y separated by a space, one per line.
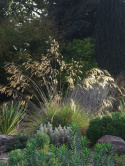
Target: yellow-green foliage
65 114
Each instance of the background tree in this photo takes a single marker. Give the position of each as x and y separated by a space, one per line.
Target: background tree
27 9
4 4
25 31
82 51
76 18
110 35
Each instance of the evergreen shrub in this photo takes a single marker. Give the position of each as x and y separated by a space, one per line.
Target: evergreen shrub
39 140
113 124
16 157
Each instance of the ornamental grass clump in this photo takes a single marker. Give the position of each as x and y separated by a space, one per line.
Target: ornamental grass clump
98 92
44 95
10 117
63 114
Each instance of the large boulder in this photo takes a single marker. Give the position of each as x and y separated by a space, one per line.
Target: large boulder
6 141
117 141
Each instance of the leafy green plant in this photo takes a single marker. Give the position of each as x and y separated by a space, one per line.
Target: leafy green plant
113 124
39 140
16 157
103 154
77 154
48 158
32 156
11 117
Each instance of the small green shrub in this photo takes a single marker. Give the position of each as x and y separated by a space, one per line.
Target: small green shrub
32 156
39 140
16 157
49 158
113 124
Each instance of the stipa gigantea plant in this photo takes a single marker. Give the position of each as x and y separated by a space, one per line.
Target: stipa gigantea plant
44 71
44 90
120 81
10 117
98 92
44 93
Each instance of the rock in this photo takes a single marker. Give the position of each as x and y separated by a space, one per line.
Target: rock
6 141
117 141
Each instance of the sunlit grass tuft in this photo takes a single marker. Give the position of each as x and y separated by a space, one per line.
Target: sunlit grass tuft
58 114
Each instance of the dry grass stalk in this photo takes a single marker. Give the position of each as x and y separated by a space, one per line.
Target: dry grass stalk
45 72
97 92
